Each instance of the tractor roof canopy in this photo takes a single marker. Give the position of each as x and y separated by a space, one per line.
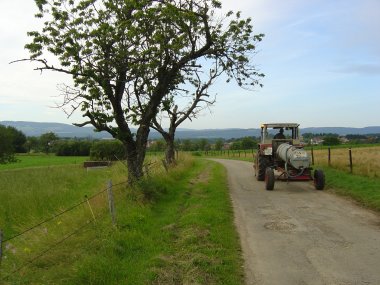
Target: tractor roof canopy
279 125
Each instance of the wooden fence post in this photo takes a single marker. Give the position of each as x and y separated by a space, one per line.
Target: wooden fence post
111 202
89 205
312 155
350 155
329 156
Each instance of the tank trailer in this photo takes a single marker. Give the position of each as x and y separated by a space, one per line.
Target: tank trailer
285 155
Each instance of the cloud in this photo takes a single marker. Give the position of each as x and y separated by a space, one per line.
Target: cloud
360 68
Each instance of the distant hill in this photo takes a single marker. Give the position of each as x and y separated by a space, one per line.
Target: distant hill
61 130
70 131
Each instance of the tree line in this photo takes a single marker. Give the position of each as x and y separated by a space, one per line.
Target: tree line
13 141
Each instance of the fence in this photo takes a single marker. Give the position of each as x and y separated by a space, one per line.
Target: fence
248 153
24 248
363 161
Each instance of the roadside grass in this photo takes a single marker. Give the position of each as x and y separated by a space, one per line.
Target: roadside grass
41 160
364 190
174 228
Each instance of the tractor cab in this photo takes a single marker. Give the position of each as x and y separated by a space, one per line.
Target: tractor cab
269 143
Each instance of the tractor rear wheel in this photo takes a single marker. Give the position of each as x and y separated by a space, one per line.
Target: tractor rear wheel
319 179
269 179
261 165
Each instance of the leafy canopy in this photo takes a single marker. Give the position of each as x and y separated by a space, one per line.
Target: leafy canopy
125 56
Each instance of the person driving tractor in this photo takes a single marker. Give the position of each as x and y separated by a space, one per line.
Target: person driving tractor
280 135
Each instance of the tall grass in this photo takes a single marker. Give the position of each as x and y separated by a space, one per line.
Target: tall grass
366 160
29 195
172 228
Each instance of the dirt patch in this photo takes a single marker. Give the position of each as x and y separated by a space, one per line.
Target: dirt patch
202 177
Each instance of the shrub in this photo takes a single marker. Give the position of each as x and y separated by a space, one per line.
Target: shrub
72 148
107 150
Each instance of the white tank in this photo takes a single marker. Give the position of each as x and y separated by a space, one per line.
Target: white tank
296 157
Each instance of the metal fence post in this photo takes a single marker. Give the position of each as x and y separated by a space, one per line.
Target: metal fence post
312 156
111 202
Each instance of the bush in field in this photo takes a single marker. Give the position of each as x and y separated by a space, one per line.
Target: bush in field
331 140
72 148
107 150
6 146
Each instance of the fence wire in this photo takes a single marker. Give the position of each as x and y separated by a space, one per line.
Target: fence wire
66 237
59 214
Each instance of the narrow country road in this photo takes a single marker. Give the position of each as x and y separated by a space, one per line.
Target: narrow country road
297 235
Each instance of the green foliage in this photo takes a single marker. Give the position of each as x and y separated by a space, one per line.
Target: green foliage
47 140
6 145
219 144
248 143
129 59
331 140
72 148
109 150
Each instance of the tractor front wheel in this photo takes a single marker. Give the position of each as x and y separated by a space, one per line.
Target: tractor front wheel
261 165
319 179
269 179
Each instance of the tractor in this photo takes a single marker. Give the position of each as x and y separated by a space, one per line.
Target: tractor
284 154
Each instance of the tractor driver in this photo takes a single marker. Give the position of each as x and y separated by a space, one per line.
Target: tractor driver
280 135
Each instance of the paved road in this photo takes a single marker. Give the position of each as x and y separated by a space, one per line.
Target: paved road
297 235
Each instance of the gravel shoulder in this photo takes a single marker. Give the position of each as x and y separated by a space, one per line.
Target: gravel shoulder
297 235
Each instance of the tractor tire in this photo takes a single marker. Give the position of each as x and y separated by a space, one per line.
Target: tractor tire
261 165
269 179
319 179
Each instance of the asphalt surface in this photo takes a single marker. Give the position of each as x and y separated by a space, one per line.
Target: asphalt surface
298 235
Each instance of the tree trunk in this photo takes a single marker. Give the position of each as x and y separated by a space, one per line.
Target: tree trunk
170 151
135 154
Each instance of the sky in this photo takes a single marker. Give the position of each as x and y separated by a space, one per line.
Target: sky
321 61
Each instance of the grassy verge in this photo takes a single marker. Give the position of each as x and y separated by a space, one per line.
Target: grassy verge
183 234
362 189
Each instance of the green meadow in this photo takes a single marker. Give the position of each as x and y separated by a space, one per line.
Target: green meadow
171 228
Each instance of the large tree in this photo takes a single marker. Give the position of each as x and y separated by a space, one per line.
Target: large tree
126 56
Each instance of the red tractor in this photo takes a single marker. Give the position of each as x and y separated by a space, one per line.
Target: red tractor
284 154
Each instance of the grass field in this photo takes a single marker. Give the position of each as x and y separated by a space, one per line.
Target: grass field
366 160
175 228
42 160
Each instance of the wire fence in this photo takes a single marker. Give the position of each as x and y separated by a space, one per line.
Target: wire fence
15 250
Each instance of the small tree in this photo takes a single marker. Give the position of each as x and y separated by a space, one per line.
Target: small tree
248 143
46 141
6 146
331 140
219 144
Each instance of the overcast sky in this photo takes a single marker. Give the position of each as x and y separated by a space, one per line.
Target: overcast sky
321 59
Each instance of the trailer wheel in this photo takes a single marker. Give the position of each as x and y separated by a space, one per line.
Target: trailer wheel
319 179
261 164
269 179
